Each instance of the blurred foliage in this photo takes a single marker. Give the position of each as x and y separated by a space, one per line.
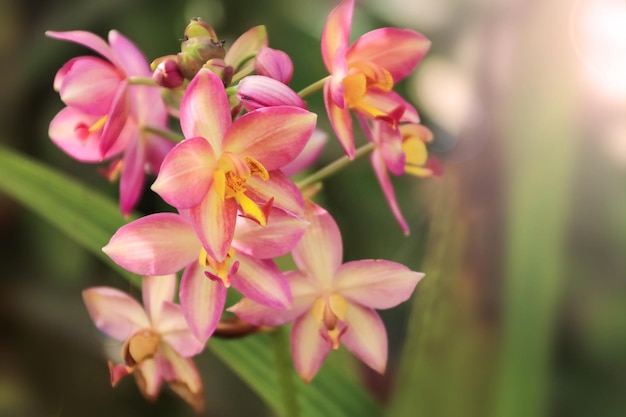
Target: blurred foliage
523 242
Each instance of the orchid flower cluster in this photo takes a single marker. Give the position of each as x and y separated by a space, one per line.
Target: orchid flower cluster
235 207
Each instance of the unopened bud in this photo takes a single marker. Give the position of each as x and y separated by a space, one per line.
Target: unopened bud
221 68
167 74
201 42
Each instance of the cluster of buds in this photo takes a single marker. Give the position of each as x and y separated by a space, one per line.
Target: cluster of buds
245 132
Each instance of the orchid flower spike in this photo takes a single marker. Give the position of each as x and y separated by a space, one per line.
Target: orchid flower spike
334 303
157 341
362 75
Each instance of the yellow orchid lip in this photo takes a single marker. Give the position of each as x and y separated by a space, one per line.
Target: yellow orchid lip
331 312
222 269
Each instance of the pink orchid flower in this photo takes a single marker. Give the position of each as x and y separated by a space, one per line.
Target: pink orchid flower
157 340
334 302
399 151
363 74
224 164
165 243
105 116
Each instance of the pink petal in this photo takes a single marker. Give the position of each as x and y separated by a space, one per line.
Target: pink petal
202 301
274 136
376 283
214 222
183 378
114 312
89 85
89 40
261 281
117 372
277 238
248 44
256 91
366 337
285 193
341 121
116 119
311 153
151 378
132 177
320 250
388 140
308 348
175 331
336 32
396 50
155 291
204 110
132 59
389 102
273 63
158 244
380 170
186 173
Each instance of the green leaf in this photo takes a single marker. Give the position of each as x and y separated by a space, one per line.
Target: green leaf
91 219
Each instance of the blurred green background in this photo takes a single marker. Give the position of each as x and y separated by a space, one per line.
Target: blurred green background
523 242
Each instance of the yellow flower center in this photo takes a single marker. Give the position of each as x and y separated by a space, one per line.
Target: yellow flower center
330 311
230 182
363 77
140 346
414 138
221 269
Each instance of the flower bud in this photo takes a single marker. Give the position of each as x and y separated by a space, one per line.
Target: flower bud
167 73
201 42
274 64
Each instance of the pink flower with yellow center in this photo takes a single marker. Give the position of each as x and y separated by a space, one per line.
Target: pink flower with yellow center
223 165
157 340
334 303
363 74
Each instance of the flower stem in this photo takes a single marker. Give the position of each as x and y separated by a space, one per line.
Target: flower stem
167 134
317 85
334 166
279 339
142 81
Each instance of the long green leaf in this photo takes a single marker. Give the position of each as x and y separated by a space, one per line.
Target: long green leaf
90 219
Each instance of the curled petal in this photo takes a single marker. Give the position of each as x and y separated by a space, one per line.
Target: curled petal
183 378
158 244
261 281
204 110
132 60
285 193
275 64
336 33
114 312
389 103
202 301
320 250
396 50
341 121
274 136
116 119
89 40
366 337
380 169
186 173
308 348
256 91
376 283
149 377
117 372
133 176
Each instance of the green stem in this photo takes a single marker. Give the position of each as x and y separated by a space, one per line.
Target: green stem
167 134
232 90
142 81
279 339
317 85
334 166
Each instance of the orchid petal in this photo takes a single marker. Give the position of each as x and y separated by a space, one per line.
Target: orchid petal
261 281
277 238
256 91
157 244
308 348
183 378
186 173
320 250
133 176
117 372
89 40
396 50
376 283
366 337
114 312
202 301
116 119
155 291
214 222
246 46
175 331
132 60
385 183
388 141
273 63
149 377
274 136
204 110
311 153
336 33
389 102
156 152
341 121
285 193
